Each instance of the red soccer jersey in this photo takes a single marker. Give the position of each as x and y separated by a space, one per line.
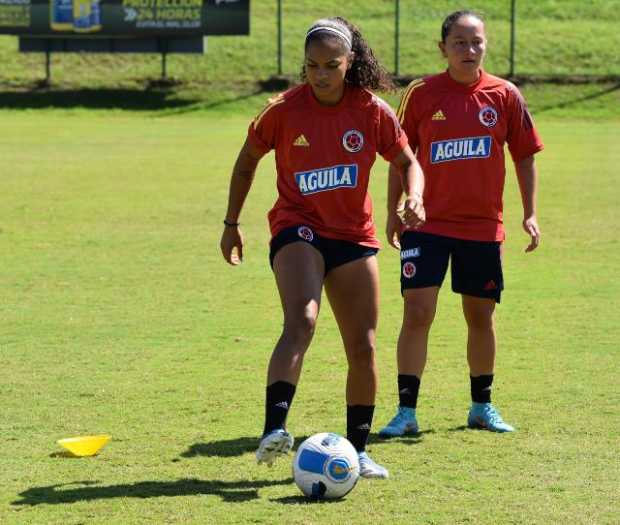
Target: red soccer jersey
323 159
458 133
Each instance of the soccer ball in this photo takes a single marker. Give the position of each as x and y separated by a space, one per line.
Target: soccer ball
326 466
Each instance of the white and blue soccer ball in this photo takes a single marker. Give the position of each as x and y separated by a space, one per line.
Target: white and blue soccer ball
326 466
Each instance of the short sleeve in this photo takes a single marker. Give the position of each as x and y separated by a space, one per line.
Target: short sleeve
522 138
262 130
391 137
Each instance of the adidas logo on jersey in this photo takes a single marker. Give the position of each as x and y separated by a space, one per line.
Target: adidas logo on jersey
282 404
301 141
439 116
363 426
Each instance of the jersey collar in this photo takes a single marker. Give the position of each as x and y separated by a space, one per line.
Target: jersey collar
465 88
317 106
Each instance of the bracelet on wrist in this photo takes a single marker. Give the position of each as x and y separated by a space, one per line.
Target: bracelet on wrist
231 224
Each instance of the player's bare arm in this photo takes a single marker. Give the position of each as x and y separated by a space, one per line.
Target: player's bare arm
231 242
405 189
528 182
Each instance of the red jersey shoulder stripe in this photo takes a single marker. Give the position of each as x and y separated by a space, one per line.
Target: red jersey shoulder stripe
404 102
271 103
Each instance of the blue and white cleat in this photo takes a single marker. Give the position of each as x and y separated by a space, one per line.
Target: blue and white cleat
485 416
370 469
277 443
404 422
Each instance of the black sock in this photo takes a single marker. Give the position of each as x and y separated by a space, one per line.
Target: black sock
408 388
359 421
278 402
481 388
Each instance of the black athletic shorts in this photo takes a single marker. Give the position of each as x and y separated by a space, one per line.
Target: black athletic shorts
476 266
335 252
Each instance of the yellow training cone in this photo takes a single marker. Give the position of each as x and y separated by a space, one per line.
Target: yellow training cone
84 445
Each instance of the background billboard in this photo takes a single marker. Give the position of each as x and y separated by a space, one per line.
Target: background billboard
124 18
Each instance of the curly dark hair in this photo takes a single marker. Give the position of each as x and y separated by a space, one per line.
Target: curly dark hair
365 71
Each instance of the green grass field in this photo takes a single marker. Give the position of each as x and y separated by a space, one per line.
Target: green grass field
118 315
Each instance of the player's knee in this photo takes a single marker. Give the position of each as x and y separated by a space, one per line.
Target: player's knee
418 315
299 329
361 354
480 320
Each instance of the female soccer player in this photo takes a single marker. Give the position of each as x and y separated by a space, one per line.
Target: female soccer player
326 134
458 123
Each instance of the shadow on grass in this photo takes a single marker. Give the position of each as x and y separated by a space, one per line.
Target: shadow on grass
202 106
409 439
572 102
303 500
236 447
151 98
229 491
460 428
228 447
133 99
64 454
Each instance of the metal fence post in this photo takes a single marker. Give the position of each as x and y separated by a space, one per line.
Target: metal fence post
279 37
513 21
397 39
48 63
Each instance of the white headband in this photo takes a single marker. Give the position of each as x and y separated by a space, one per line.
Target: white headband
341 34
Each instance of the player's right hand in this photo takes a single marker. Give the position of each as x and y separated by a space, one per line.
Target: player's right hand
393 229
530 226
231 245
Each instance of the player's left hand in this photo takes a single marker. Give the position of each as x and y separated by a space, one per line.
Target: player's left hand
530 225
